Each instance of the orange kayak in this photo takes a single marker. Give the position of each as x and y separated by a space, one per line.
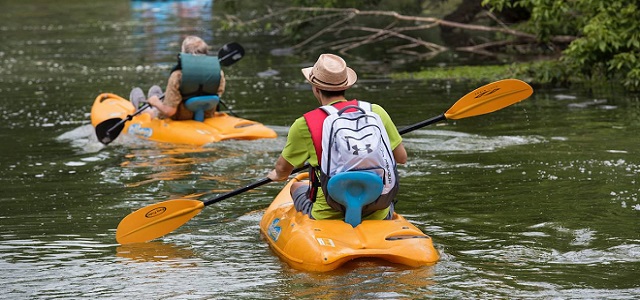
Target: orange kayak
221 127
324 245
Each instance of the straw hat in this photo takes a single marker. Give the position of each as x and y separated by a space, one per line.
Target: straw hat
330 73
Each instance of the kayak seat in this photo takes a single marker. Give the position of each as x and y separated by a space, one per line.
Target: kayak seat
354 190
198 105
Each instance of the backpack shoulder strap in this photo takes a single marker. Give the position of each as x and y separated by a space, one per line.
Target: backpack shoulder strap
329 109
315 119
365 105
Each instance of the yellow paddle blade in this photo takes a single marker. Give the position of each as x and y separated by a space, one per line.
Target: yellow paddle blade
156 220
489 98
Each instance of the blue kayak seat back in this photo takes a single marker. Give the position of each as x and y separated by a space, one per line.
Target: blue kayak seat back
198 105
354 190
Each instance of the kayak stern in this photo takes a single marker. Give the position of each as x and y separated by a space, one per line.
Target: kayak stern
324 245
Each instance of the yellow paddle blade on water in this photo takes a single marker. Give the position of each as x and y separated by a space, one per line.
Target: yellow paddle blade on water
489 98
156 220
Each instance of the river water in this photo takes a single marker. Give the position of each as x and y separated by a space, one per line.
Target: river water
538 200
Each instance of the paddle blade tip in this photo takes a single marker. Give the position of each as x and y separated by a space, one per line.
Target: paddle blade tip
230 53
489 98
157 220
108 130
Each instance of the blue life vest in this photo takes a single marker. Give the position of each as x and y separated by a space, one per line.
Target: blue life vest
200 83
200 75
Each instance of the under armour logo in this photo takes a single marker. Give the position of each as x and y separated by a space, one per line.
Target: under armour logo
357 150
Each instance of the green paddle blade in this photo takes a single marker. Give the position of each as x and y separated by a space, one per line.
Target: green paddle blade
156 220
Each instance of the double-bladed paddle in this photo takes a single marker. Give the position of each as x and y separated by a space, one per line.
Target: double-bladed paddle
158 219
108 130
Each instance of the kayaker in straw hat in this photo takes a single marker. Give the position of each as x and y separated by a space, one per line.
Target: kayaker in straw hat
329 77
196 74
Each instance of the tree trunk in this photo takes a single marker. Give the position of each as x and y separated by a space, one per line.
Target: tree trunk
465 13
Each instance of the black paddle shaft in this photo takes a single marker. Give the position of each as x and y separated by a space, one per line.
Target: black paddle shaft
422 124
254 185
129 117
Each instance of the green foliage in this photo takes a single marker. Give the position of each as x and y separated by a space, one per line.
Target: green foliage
608 43
545 72
548 17
473 74
548 72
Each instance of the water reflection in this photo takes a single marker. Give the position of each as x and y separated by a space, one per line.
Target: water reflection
161 25
156 252
374 279
161 176
55 249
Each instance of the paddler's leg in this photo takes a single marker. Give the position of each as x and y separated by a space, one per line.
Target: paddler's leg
155 91
137 97
390 214
300 195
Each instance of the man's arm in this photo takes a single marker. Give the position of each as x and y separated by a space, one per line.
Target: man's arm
281 171
166 110
400 154
172 96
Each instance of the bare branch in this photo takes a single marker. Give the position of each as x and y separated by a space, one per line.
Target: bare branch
323 31
343 18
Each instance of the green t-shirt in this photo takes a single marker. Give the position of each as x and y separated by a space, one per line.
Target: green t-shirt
299 149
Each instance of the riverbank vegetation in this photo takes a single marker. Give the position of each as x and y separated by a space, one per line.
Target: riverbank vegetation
546 41
607 44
